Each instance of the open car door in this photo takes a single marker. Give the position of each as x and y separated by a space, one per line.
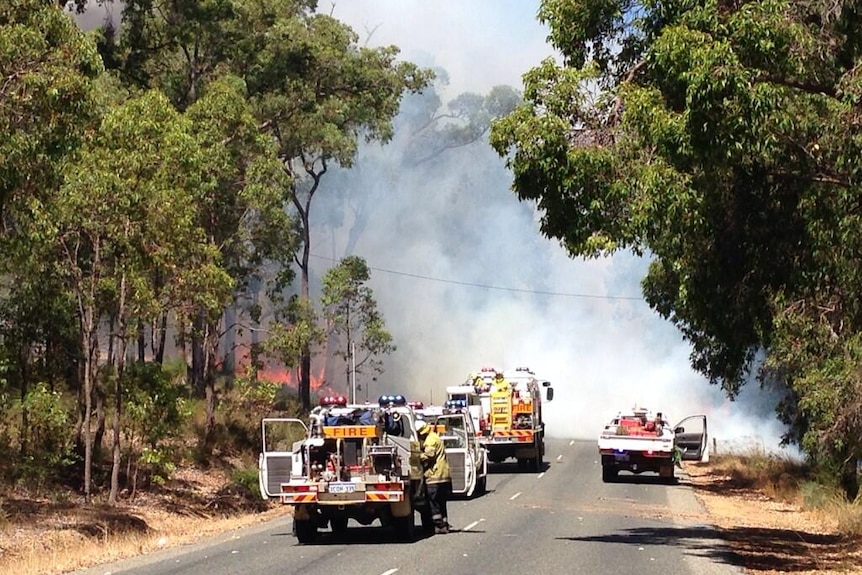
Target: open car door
462 463
692 439
276 460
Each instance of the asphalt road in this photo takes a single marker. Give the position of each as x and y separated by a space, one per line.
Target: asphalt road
563 520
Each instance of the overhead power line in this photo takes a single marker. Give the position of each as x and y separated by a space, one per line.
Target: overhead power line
493 287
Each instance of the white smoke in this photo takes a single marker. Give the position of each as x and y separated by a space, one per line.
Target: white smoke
439 237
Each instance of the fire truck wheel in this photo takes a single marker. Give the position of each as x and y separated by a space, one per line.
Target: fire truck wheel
306 530
338 525
609 473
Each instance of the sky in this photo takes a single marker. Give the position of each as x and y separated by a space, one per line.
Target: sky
480 42
464 278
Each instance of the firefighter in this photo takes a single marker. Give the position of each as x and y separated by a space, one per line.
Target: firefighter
477 381
438 480
500 383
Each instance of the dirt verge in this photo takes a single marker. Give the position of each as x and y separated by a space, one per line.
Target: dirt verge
766 536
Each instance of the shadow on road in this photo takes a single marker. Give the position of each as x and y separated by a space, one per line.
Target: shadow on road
363 535
754 548
632 478
513 468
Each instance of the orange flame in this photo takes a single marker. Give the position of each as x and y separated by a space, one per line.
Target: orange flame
275 372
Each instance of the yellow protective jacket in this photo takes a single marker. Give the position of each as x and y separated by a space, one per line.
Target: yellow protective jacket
502 385
433 458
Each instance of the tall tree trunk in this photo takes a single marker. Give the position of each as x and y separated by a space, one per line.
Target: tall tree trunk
305 357
303 207
101 416
89 346
210 339
198 341
159 348
116 459
850 478
142 343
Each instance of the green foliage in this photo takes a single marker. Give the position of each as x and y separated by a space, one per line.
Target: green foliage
250 400
248 479
48 451
48 67
159 464
714 137
296 331
255 395
816 495
351 314
155 407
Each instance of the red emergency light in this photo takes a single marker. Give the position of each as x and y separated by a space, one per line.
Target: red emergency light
333 401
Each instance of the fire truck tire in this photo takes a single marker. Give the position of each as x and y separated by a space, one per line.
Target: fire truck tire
338 525
609 473
667 473
306 530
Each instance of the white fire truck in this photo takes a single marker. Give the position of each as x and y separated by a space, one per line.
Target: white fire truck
511 417
357 462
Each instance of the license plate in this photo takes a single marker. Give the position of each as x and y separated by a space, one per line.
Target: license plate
621 457
342 488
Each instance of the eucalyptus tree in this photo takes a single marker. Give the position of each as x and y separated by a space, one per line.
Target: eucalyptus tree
317 92
129 209
313 89
47 67
243 215
353 319
187 50
721 139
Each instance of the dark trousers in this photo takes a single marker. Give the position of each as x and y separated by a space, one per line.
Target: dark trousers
438 495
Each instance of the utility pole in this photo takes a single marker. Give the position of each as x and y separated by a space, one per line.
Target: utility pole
353 368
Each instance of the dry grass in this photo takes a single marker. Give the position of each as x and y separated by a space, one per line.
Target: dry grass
40 536
774 519
777 476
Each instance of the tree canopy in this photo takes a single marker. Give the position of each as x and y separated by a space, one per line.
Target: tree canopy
720 138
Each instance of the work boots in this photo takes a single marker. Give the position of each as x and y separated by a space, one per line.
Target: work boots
441 528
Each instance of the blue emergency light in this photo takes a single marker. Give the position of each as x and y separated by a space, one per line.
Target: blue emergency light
386 400
455 403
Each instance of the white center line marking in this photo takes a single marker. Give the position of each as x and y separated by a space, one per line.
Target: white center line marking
471 526
540 475
515 496
560 457
390 572
572 442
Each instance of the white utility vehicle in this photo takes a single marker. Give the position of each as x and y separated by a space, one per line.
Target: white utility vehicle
639 440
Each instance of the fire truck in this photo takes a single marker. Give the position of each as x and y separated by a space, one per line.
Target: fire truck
357 462
512 424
